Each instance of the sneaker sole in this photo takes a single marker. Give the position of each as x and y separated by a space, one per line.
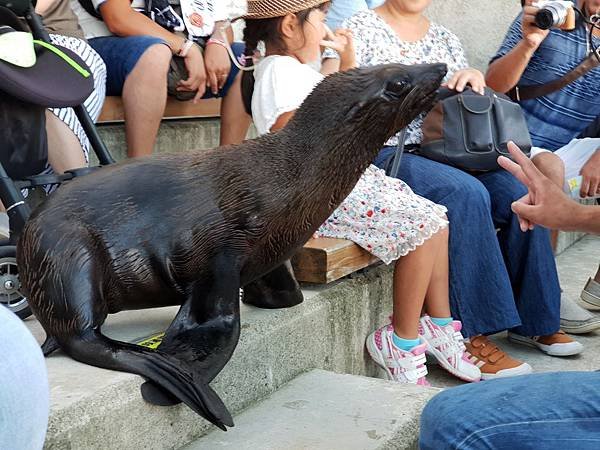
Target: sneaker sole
584 328
446 365
591 301
377 357
556 351
523 369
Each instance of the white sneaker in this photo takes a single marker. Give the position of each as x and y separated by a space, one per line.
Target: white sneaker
446 345
399 365
576 320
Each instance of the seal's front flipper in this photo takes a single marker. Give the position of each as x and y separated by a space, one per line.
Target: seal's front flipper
173 375
205 331
158 396
277 289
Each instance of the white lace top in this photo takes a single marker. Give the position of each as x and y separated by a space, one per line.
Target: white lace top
377 43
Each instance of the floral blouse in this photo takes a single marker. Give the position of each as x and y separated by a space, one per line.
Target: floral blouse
376 42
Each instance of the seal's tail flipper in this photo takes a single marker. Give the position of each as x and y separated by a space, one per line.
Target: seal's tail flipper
171 374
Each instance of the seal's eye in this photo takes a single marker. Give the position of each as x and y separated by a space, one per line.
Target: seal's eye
398 86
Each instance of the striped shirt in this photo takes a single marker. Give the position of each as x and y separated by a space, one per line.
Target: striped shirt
557 118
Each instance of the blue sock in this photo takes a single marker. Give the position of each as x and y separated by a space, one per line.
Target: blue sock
404 344
441 321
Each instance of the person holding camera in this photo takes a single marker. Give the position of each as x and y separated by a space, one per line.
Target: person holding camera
546 63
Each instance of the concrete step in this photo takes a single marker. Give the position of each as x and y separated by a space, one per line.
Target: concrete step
99 409
322 410
93 408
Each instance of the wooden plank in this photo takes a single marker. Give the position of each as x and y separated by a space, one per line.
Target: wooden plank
324 260
112 110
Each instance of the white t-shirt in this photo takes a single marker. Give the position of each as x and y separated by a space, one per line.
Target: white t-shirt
281 85
211 11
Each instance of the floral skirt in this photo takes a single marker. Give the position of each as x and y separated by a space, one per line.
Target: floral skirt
384 216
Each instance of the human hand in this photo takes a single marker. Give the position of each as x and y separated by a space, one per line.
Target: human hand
196 73
533 36
545 203
469 76
341 41
590 184
218 65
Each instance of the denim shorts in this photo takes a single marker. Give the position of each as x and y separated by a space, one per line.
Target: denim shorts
121 54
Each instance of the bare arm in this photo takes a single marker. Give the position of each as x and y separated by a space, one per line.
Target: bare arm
282 120
42 6
504 73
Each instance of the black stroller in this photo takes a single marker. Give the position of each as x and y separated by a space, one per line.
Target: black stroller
57 79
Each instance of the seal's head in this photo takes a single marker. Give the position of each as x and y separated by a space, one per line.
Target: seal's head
382 99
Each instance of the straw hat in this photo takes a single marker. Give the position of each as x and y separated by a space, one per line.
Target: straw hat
265 9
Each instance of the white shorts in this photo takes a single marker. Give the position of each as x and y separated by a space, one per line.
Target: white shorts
574 155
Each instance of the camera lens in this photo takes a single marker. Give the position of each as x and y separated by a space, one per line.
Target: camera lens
544 19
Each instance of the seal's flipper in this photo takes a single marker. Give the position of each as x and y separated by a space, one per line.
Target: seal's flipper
173 375
206 329
50 345
154 394
277 289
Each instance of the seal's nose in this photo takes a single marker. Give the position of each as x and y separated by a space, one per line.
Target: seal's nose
427 73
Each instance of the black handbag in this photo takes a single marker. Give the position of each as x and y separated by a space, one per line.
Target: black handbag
469 131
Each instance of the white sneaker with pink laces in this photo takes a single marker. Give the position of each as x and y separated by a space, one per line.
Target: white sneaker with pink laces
400 365
446 345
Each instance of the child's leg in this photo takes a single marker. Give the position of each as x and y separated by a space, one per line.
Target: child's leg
437 303
412 276
234 120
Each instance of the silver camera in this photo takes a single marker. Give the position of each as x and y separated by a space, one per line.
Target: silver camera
555 14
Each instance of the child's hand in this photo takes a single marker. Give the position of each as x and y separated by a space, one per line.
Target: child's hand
341 41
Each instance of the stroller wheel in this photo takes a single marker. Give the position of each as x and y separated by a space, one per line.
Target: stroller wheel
10 285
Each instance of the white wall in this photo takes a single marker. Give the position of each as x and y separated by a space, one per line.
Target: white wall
480 24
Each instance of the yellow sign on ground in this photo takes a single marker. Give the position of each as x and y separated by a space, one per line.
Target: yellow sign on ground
153 341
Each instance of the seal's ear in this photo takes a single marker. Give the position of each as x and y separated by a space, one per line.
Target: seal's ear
352 112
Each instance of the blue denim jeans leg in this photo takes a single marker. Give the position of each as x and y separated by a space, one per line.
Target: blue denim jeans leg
482 270
549 411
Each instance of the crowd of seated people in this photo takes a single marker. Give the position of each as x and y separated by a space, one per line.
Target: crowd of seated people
465 267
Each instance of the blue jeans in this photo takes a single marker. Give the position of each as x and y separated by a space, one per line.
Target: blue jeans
340 10
121 54
549 411
497 282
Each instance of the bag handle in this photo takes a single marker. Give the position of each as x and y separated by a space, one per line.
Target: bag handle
393 172
519 93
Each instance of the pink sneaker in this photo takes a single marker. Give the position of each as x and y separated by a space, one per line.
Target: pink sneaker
446 345
400 365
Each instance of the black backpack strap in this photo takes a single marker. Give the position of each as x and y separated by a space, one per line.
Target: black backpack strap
89 8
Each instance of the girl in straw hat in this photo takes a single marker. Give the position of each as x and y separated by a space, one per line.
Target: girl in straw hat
381 214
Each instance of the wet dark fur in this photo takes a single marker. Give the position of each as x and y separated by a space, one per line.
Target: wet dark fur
191 229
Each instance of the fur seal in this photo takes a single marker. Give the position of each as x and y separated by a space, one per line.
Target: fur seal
191 229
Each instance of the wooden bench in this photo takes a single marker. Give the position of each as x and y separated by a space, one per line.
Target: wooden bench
112 111
321 260
324 260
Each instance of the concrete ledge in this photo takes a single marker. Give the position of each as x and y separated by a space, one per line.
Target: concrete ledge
323 410
98 409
